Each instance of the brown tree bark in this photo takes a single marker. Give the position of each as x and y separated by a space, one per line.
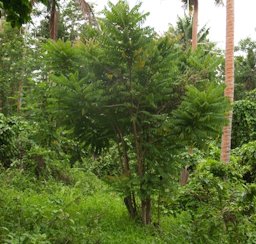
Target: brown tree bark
53 25
229 79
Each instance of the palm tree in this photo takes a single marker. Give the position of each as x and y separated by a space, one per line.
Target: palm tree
87 12
229 79
53 22
193 5
183 30
52 9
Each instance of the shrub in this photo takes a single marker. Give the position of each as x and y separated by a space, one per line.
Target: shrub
215 202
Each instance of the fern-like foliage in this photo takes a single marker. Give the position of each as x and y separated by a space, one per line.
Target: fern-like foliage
200 115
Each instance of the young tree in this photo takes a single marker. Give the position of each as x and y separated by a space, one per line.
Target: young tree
245 68
123 85
13 68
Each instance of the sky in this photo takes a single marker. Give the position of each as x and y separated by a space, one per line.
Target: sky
165 12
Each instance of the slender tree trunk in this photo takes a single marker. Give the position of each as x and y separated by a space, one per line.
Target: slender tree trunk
184 176
145 199
1 104
53 21
1 25
146 210
20 90
1 100
129 199
195 25
229 79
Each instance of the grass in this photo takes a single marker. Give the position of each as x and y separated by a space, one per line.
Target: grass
86 211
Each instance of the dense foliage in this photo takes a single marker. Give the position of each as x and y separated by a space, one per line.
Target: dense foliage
17 12
128 93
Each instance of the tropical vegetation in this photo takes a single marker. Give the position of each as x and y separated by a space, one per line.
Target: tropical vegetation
112 133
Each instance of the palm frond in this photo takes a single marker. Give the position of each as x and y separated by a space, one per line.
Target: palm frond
87 12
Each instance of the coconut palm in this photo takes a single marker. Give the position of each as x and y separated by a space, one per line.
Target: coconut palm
53 11
229 79
53 22
87 12
183 30
193 5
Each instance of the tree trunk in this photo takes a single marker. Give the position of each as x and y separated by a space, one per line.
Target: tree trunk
130 204
195 25
53 25
184 176
146 210
229 79
20 90
1 30
129 200
145 200
1 104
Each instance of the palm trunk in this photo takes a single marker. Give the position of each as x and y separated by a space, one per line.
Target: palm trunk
195 25
53 22
229 79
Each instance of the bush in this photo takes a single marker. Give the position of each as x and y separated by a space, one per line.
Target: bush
247 160
216 204
8 133
244 122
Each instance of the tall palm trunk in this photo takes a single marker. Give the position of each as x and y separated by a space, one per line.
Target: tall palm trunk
53 21
229 79
195 25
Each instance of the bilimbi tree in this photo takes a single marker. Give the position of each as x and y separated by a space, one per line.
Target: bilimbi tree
124 85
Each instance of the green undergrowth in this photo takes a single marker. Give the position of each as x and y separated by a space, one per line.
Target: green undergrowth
83 211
